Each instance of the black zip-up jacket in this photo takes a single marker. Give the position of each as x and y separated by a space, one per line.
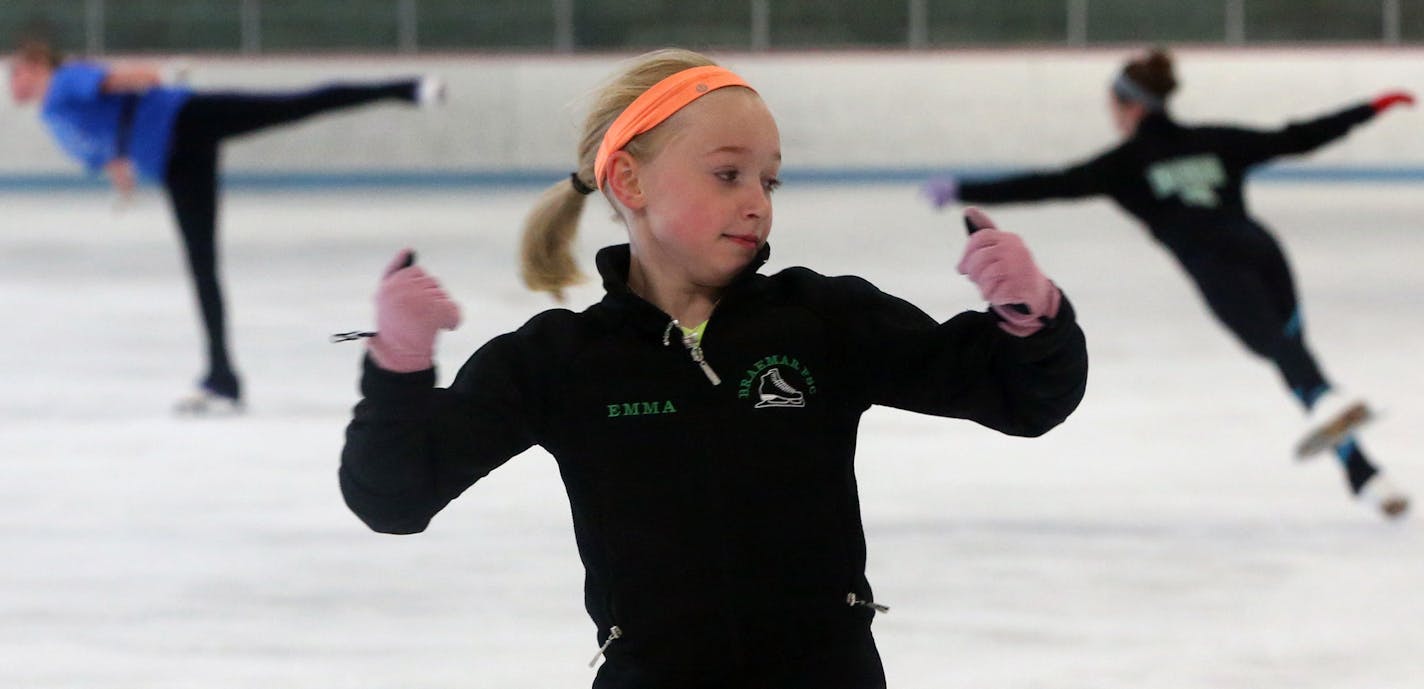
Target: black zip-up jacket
719 524
1184 183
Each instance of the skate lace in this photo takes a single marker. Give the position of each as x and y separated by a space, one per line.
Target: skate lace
779 383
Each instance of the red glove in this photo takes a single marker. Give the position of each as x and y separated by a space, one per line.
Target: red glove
1388 100
410 308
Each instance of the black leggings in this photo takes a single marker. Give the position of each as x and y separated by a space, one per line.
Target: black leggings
1246 281
192 183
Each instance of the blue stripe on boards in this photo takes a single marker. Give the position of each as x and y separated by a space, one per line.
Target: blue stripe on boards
477 179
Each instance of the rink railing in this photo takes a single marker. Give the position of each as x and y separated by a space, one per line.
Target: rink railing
471 180
567 26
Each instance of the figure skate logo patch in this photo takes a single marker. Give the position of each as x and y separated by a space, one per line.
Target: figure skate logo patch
774 391
1193 179
777 381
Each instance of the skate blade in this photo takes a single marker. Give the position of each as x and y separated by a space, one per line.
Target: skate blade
207 406
1333 433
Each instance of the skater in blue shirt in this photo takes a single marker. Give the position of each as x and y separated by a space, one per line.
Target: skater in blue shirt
123 121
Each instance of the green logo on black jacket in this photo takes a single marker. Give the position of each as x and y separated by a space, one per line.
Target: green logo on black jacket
641 408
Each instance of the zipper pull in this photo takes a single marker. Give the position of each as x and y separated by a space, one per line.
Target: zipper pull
694 349
853 601
614 633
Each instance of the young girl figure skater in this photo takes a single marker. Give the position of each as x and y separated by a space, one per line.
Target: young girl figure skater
1185 184
703 415
122 120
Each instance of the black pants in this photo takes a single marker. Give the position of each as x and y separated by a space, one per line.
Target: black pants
1243 274
192 184
1247 283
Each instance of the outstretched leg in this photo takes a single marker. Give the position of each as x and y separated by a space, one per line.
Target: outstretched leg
1249 288
218 116
1297 364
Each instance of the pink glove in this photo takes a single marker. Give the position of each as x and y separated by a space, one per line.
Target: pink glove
941 191
1000 265
410 308
1388 100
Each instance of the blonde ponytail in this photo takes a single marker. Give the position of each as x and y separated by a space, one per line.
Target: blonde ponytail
547 262
546 253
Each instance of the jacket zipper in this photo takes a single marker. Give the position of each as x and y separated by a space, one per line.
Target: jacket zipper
852 600
694 349
614 633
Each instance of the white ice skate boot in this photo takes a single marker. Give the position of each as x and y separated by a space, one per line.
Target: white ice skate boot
1331 420
206 403
1379 493
774 391
430 92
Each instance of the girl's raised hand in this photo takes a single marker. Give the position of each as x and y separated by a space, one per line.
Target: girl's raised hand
411 307
1388 100
940 191
999 263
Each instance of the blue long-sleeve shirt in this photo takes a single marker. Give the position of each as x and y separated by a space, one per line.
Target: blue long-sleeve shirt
92 127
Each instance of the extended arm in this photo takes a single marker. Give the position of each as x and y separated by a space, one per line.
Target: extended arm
130 78
1250 147
1089 178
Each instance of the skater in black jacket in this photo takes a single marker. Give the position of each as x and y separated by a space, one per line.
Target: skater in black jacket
1185 184
703 415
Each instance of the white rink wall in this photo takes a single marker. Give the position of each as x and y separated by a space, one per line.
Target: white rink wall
844 112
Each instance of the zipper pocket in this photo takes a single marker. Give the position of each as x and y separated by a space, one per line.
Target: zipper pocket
614 633
854 601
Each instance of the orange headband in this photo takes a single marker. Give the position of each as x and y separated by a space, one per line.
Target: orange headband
656 105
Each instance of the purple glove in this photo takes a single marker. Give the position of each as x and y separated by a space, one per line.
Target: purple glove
410 308
941 191
1000 265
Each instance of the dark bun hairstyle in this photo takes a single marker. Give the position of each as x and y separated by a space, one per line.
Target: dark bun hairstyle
1154 73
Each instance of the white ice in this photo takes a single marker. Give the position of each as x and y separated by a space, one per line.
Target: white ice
1162 537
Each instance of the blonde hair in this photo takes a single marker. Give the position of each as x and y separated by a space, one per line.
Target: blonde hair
546 257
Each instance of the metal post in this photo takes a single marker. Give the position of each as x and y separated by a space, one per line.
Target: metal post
94 27
251 26
564 26
1391 11
919 24
1077 22
407 26
761 25
1236 22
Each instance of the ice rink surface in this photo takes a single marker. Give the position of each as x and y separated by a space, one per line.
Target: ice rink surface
1162 537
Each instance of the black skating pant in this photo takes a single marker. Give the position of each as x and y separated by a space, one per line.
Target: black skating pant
1243 274
192 184
1248 285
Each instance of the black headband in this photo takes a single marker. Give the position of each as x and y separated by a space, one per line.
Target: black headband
578 184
